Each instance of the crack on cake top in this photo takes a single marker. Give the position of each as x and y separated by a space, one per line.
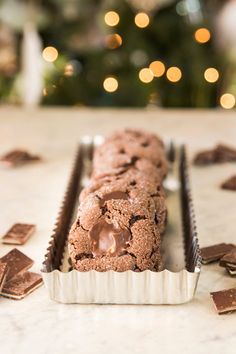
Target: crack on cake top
136 218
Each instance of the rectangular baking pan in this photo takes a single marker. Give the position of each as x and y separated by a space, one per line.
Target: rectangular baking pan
175 284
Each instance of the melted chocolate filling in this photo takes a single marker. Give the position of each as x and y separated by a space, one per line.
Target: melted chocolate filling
108 239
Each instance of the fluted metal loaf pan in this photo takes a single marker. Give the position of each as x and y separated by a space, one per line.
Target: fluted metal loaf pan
166 287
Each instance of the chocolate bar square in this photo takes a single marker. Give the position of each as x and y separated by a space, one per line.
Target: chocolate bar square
3 274
22 285
17 263
229 260
18 234
224 300
215 252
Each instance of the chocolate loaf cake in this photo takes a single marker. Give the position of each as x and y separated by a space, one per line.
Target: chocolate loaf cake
122 213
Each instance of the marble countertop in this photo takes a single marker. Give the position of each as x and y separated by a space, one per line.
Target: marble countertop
33 194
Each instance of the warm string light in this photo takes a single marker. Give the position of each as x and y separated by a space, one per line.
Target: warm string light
111 18
227 101
211 75
158 68
113 41
142 20
202 35
173 74
50 54
146 75
110 84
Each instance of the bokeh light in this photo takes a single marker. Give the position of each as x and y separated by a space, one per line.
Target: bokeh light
111 18
110 84
50 54
211 75
227 101
158 68
181 8
139 58
174 74
202 35
141 20
45 92
146 75
69 70
113 41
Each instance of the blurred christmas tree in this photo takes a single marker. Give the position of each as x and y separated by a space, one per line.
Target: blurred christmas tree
109 43
129 53
7 62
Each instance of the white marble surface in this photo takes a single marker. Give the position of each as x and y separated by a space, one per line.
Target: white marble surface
33 194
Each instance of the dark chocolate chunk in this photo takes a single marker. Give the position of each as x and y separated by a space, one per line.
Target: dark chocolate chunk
21 285
224 300
229 260
229 184
3 274
17 263
113 195
215 252
18 234
18 157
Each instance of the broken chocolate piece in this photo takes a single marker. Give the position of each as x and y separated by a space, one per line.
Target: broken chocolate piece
3 274
229 184
17 263
219 154
18 234
22 285
18 157
214 253
206 157
224 300
229 260
225 153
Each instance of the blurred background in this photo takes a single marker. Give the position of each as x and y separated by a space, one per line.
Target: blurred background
127 53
